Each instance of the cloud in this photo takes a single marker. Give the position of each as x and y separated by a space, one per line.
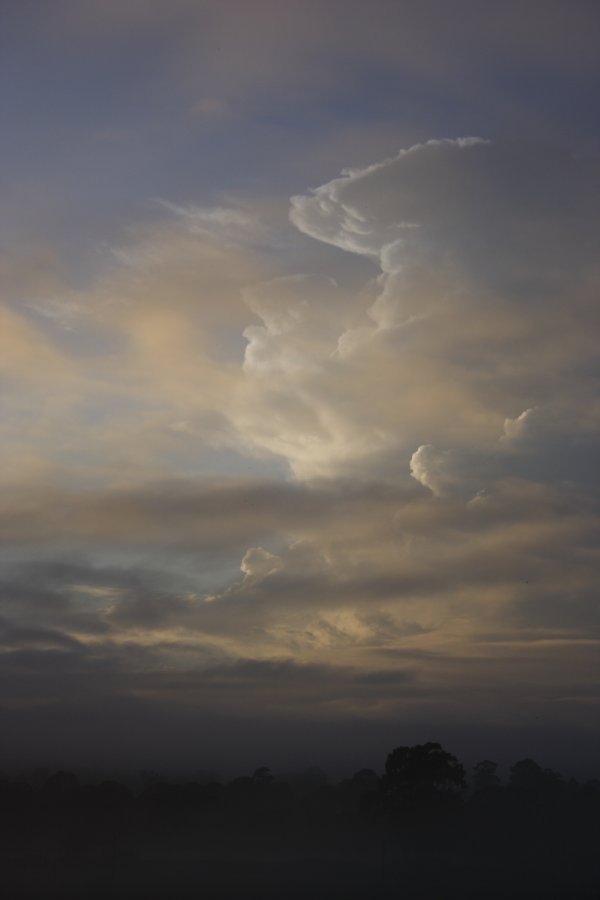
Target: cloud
296 312
341 467
495 216
27 355
484 260
258 563
231 226
432 467
485 250
351 213
515 429
378 605
145 558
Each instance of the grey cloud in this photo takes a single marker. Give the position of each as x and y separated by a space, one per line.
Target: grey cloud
511 217
386 678
82 597
148 610
197 513
488 256
571 611
15 637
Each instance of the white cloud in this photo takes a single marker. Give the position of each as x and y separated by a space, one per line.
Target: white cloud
438 470
294 335
515 429
258 563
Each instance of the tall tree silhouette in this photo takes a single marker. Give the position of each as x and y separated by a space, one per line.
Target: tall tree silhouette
420 778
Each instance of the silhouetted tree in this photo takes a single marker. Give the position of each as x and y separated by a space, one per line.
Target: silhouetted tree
263 776
311 777
360 794
365 780
423 777
484 775
525 773
526 776
61 784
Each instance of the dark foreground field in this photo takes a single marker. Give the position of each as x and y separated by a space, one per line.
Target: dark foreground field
300 875
417 831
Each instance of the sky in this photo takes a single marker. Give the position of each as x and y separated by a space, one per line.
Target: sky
299 403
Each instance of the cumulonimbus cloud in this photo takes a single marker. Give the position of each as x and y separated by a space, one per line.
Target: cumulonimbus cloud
465 364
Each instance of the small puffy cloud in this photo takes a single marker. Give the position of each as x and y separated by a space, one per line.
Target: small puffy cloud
515 429
258 563
429 466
